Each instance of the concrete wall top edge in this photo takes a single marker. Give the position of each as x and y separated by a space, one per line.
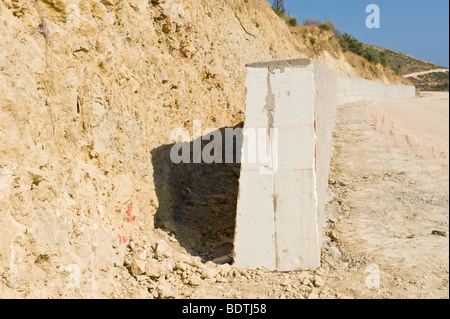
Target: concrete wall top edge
303 62
281 63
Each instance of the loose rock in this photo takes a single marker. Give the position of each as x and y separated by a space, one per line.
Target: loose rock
137 267
166 291
195 281
181 266
155 269
223 260
162 249
313 295
225 269
209 273
335 252
318 281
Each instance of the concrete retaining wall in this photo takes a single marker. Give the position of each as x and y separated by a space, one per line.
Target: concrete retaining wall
291 105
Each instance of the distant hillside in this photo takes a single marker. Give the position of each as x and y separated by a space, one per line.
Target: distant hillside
404 64
407 63
434 81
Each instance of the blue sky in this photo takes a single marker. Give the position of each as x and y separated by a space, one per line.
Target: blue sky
416 27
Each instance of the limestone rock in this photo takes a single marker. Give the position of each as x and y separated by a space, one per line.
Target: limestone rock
155 269
318 281
195 281
223 260
209 273
137 267
335 252
165 291
162 249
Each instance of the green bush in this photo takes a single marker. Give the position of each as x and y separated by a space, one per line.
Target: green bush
349 43
384 59
375 56
397 69
371 55
343 45
325 26
293 22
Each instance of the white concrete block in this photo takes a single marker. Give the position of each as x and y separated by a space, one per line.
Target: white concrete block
257 89
297 236
255 230
259 148
280 216
293 92
292 153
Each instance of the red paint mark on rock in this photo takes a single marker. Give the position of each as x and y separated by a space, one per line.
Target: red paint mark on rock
130 218
122 239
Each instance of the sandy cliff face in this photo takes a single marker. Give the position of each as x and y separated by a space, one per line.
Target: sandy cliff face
88 89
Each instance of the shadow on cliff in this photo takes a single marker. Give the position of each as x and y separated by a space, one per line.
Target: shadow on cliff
197 201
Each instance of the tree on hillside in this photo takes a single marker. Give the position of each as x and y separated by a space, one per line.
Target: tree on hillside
279 6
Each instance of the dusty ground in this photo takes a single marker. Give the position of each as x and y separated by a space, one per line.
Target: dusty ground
391 210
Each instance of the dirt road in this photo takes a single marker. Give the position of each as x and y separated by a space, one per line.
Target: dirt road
416 74
390 212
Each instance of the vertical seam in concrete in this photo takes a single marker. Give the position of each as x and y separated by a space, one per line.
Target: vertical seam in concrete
270 101
270 108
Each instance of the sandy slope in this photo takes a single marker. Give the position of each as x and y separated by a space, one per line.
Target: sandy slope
421 124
